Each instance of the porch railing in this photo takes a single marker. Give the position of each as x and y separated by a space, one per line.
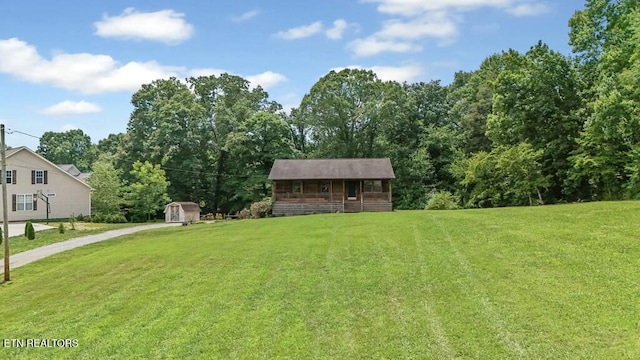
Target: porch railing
378 196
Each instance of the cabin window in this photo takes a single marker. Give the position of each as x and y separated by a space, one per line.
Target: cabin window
296 187
324 186
373 186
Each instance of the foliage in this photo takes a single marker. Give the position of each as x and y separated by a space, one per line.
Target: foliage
69 147
72 221
443 200
261 209
531 281
108 189
30 232
244 214
61 228
506 176
148 193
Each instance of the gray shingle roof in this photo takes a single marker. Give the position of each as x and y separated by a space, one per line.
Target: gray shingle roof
188 206
332 169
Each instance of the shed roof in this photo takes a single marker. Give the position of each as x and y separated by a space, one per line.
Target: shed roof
187 206
332 169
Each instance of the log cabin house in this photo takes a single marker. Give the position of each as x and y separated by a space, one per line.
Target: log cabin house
331 185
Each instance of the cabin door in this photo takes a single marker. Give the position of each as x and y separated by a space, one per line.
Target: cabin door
352 187
175 213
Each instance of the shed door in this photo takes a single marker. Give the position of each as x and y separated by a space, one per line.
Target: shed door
175 213
352 190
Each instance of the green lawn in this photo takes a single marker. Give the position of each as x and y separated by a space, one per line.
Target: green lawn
554 282
19 244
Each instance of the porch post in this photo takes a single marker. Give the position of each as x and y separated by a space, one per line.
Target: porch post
361 198
342 195
390 201
331 194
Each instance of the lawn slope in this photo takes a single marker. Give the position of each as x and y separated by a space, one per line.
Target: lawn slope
524 283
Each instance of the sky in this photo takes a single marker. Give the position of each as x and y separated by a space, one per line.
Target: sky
75 64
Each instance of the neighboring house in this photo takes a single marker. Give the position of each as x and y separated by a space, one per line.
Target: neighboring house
73 170
331 185
182 212
32 179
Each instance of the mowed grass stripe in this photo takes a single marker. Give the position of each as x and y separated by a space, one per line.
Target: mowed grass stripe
545 282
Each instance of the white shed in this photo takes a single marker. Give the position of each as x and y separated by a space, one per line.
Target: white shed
182 212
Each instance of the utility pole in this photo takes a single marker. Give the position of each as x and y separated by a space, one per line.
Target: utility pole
5 213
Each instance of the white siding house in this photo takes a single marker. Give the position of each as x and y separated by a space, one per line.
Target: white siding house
32 179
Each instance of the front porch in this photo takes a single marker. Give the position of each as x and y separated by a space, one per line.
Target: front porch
292 197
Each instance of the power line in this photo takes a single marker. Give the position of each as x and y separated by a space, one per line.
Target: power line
11 131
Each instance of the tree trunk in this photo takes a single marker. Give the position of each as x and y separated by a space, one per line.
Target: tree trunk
218 185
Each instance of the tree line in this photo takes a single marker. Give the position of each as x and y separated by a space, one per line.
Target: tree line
524 128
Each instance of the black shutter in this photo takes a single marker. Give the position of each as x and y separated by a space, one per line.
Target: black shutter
14 177
13 202
35 202
46 181
33 176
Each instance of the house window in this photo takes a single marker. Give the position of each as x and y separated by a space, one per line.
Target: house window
324 186
373 186
24 202
39 176
9 177
296 187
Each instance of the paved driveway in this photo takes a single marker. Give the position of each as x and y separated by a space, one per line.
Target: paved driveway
30 256
16 229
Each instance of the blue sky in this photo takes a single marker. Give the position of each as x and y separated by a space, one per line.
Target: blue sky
75 64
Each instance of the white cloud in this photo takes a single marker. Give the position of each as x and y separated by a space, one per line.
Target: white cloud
246 16
93 74
267 79
404 73
301 31
71 108
165 26
418 7
339 26
373 46
437 25
529 9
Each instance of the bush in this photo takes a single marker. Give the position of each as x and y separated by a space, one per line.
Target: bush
61 228
97 218
261 209
443 200
72 221
80 218
114 219
30 231
207 217
244 214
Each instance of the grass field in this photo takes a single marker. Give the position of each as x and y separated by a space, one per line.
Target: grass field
554 282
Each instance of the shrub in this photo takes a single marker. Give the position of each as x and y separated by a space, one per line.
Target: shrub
72 221
261 209
219 216
80 218
30 231
443 200
207 217
97 218
114 219
61 228
244 214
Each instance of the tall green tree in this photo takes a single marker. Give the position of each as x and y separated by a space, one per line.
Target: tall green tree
343 111
148 193
535 101
605 38
107 197
69 147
